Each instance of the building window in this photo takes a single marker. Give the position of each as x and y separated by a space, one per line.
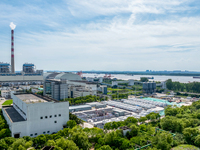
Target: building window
46 117
35 133
50 116
55 121
44 132
48 131
41 117
31 135
59 115
55 115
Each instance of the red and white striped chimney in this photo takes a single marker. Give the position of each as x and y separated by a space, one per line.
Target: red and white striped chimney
12 26
12 52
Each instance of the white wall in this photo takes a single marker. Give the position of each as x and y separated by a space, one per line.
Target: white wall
20 78
34 112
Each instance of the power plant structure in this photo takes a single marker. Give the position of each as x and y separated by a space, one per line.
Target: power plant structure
28 68
28 75
4 67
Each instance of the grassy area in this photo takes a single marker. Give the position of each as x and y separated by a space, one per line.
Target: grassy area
185 147
8 102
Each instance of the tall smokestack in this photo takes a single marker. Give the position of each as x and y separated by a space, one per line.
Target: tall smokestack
12 26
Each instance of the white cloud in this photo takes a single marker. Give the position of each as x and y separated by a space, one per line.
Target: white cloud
103 38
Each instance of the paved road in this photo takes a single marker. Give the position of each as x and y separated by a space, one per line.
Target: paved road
1 102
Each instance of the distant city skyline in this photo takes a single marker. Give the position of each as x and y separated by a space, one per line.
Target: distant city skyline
115 35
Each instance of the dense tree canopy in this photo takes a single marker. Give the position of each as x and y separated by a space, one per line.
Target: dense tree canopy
193 87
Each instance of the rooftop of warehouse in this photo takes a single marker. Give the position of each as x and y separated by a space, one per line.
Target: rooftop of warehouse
13 115
34 98
82 81
79 106
95 103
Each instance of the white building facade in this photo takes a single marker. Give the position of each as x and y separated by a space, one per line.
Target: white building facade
5 93
32 115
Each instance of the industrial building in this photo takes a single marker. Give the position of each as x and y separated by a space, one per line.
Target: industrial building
56 86
79 88
4 67
96 105
5 93
79 108
120 110
55 83
77 91
130 82
32 115
28 76
149 87
28 68
99 79
103 89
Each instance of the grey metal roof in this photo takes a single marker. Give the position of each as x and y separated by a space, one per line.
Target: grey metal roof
80 106
13 114
68 76
50 75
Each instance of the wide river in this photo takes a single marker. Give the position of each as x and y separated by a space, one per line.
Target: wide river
182 79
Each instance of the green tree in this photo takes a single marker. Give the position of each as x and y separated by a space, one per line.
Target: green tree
40 140
3 144
79 137
71 124
190 134
130 120
66 144
162 141
169 84
51 143
197 141
143 127
20 144
105 147
144 79
134 130
142 119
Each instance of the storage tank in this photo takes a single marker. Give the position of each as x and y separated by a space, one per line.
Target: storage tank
145 86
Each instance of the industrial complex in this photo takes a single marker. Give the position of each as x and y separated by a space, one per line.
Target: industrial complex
97 114
41 104
28 75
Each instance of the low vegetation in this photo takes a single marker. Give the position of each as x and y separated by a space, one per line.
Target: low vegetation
85 99
8 102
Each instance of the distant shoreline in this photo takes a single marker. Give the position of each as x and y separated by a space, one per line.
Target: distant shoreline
146 73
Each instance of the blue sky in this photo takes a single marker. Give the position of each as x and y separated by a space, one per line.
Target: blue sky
102 35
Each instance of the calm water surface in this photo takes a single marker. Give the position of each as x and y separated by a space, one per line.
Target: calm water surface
182 79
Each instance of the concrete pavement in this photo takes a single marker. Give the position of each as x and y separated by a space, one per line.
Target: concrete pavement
1 102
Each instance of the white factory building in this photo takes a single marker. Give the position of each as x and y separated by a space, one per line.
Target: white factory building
81 88
130 82
5 93
32 115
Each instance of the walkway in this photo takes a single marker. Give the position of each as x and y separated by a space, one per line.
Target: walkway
1 102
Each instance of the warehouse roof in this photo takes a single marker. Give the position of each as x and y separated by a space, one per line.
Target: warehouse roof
80 106
30 98
13 114
35 98
68 76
